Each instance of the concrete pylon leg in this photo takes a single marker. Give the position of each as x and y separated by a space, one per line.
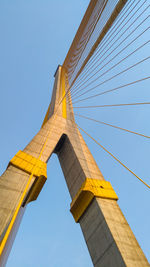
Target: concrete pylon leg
94 203
109 238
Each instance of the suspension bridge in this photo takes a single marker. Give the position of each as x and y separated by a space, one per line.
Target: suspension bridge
108 62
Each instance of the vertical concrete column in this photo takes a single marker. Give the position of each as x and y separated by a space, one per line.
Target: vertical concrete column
108 236
18 185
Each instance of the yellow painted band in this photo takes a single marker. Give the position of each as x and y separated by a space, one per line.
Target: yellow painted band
46 117
90 188
26 162
64 106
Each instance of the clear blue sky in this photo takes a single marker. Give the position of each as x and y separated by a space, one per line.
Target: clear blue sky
35 37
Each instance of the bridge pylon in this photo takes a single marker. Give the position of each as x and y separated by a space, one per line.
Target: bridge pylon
108 236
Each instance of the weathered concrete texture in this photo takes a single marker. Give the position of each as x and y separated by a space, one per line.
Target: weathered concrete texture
11 238
100 242
12 184
124 237
108 236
